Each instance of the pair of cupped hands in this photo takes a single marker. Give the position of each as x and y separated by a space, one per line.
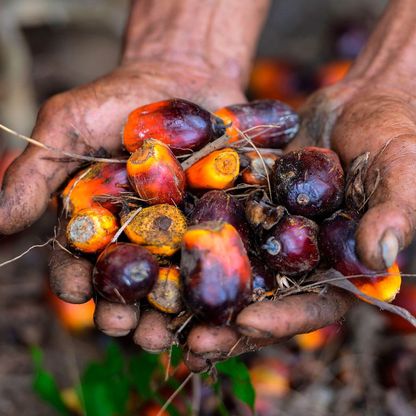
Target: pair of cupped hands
353 117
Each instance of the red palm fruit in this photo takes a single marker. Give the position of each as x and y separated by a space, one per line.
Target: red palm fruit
215 272
309 182
182 125
258 167
283 122
166 293
124 273
337 244
218 170
219 206
91 229
291 246
155 174
99 179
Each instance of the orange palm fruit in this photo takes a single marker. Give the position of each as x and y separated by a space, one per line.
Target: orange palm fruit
155 174
268 123
218 170
166 293
215 271
182 125
91 229
270 378
383 288
338 248
333 72
315 340
99 179
74 317
255 173
159 228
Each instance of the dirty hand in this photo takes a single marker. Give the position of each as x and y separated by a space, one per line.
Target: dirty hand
373 110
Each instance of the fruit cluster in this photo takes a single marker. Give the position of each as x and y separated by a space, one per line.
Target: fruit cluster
208 213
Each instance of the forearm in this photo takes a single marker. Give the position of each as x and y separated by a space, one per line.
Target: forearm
390 54
214 35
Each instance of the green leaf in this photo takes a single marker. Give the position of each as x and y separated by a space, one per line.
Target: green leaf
239 376
176 356
44 384
141 371
105 386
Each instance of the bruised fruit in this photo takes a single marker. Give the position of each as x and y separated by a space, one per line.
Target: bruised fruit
125 273
215 271
261 213
98 180
166 293
159 228
291 246
338 247
91 229
258 168
309 182
220 206
155 174
182 125
218 170
268 123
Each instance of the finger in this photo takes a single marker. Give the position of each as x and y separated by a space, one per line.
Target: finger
382 124
208 344
390 221
35 175
69 276
115 319
152 333
293 315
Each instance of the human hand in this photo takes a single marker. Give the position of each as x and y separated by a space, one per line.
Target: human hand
373 110
83 121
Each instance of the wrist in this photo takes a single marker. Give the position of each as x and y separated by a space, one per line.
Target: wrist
214 36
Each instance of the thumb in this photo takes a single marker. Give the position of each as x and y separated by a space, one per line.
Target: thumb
30 180
390 221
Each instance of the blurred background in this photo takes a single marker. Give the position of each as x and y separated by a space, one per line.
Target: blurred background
366 366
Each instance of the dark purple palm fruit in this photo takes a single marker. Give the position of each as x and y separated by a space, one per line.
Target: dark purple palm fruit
125 273
268 123
291 246
263 278
337 243
220 206
309 182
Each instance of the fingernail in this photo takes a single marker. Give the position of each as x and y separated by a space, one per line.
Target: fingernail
389 248
253 332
